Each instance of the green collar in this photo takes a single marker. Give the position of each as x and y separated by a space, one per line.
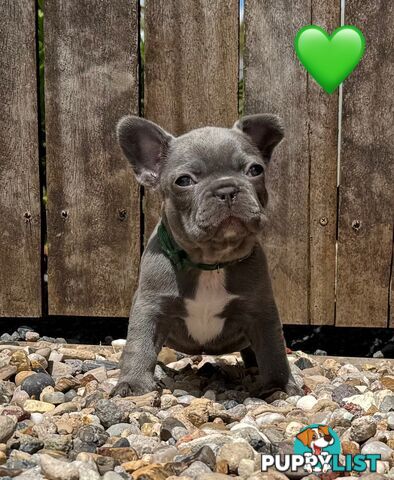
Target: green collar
181 259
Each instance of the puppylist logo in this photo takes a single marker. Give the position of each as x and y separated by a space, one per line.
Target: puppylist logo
317 449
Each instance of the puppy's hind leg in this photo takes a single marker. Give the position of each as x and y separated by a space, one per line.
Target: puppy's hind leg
249 357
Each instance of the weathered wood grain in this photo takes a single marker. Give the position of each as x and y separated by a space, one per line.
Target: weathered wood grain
302 176
391 292
323 150
191 70
93 200
367 173
20 249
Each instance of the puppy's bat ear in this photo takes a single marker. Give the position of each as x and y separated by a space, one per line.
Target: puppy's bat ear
144 144
305 437
264 130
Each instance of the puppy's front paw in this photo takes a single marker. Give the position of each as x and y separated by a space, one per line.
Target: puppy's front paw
128 389
123 389
269 394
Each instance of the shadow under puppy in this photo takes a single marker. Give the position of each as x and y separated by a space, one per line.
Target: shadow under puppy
204 285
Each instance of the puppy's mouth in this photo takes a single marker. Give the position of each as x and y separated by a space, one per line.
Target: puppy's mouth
232 224
232 221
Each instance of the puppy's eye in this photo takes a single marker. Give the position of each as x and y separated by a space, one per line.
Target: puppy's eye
184 181
255 170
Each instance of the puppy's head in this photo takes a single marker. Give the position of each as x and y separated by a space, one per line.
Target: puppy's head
212 179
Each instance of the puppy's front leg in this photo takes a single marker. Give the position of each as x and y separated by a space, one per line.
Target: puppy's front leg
144 341
266 336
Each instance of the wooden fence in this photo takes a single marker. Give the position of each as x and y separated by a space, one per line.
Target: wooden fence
330 241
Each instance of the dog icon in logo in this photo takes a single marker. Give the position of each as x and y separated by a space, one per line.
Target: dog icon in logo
316 439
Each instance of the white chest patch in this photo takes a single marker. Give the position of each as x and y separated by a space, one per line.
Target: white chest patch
203 319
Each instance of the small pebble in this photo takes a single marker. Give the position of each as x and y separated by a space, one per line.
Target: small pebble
306 403
35 384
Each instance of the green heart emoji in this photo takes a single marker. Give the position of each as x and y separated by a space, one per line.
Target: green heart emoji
329 59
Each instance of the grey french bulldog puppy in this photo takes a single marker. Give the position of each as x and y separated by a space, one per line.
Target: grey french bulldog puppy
204 285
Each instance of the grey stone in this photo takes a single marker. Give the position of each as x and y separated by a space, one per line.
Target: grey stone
387 404
379 448
204 454
213 441
121 443
229 404
213 476
7 428
164 454
117 429
179 393
185 399
196 469
68 396
168 426
341 418
16 465
112 476
60 369
6 337
269 418
390 421
236 413
160 374
256 439
109 413
373 476
343 391
33 473
35 384
303 363
88 474
362 429
93 434
56 398
75 364
80 446
58 470
29 444
62 443
233 453
7 390
88 365
252 402
143 444
32 336
179 432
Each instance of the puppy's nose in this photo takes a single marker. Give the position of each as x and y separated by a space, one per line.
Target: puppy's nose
226 194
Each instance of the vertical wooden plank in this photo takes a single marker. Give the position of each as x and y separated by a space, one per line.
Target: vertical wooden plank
323 147
93 200
20 257
391 289
275 83
191 70
302 176
367 173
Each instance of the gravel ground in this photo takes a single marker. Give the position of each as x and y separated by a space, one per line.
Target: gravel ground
58 422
